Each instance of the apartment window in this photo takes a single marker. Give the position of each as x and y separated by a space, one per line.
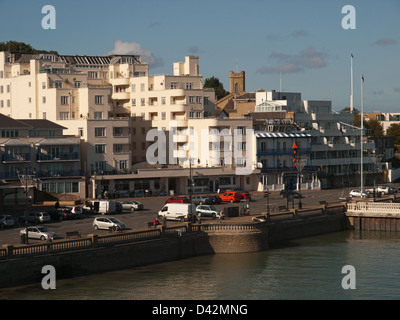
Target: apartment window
100 166
58 84
2 104
8 103
198 99
1 89
100 148
133 145
188 85
1 74
43 85
80 132
98 99
117 131
241 145
142 87
64 115
98 115
198 114
29 84
163 115
191 99
133 102
118 148
43 99
241 130
142 101
99 132
77 84
174 85
143 130
133 131
133 87
44 115
123 164
191 114
64 99
29 100
92 75
205 99
143 145
162 100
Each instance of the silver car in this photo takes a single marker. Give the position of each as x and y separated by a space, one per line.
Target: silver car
38 233
107 223
6 221
132 205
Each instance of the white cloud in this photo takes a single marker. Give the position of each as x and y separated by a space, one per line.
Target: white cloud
121 47
293 63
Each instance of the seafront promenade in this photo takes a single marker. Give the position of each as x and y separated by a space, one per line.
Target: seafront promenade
94 253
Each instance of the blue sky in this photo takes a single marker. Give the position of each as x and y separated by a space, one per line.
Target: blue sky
303 39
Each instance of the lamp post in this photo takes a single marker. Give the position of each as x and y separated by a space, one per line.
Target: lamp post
300 164
25 178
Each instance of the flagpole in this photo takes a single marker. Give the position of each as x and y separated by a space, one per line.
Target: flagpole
351 83
361 136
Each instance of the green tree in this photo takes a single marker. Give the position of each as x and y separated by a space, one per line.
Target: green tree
15 46
217 85
373 128
394 131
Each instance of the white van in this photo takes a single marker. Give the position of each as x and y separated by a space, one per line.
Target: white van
178 211
101 206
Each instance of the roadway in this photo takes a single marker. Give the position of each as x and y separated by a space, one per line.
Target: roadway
138 220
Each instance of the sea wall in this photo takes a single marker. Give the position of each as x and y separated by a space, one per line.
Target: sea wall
101 254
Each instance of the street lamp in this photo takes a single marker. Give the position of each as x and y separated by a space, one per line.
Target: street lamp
26 178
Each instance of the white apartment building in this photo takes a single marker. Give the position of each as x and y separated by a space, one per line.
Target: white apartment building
335 143
112 102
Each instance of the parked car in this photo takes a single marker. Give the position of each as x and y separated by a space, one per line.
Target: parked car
177 200
386 189
107 223
34 216
209 211
231 196
357 193
6 221
285 193
61 214
75 210
215 199
132 205
201 200
38 233
245 195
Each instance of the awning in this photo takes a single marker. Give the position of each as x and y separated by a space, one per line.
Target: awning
282 135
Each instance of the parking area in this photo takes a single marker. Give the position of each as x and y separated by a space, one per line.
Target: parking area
138 220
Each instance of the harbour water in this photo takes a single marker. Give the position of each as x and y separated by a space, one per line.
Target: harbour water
308 268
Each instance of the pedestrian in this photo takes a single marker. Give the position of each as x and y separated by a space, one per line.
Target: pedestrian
49 241
57 205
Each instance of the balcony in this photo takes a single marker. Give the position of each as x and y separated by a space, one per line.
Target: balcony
13 157
64 156
121 95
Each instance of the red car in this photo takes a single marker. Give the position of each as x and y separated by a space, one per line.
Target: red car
177 200
231 196
245 195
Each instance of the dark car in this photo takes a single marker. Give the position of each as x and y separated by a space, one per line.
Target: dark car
295 194
201 200
177 200
61 214
215 199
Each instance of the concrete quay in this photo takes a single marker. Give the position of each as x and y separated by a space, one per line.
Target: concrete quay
94 254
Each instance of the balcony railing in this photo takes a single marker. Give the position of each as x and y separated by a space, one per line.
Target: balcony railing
16 157
58 157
